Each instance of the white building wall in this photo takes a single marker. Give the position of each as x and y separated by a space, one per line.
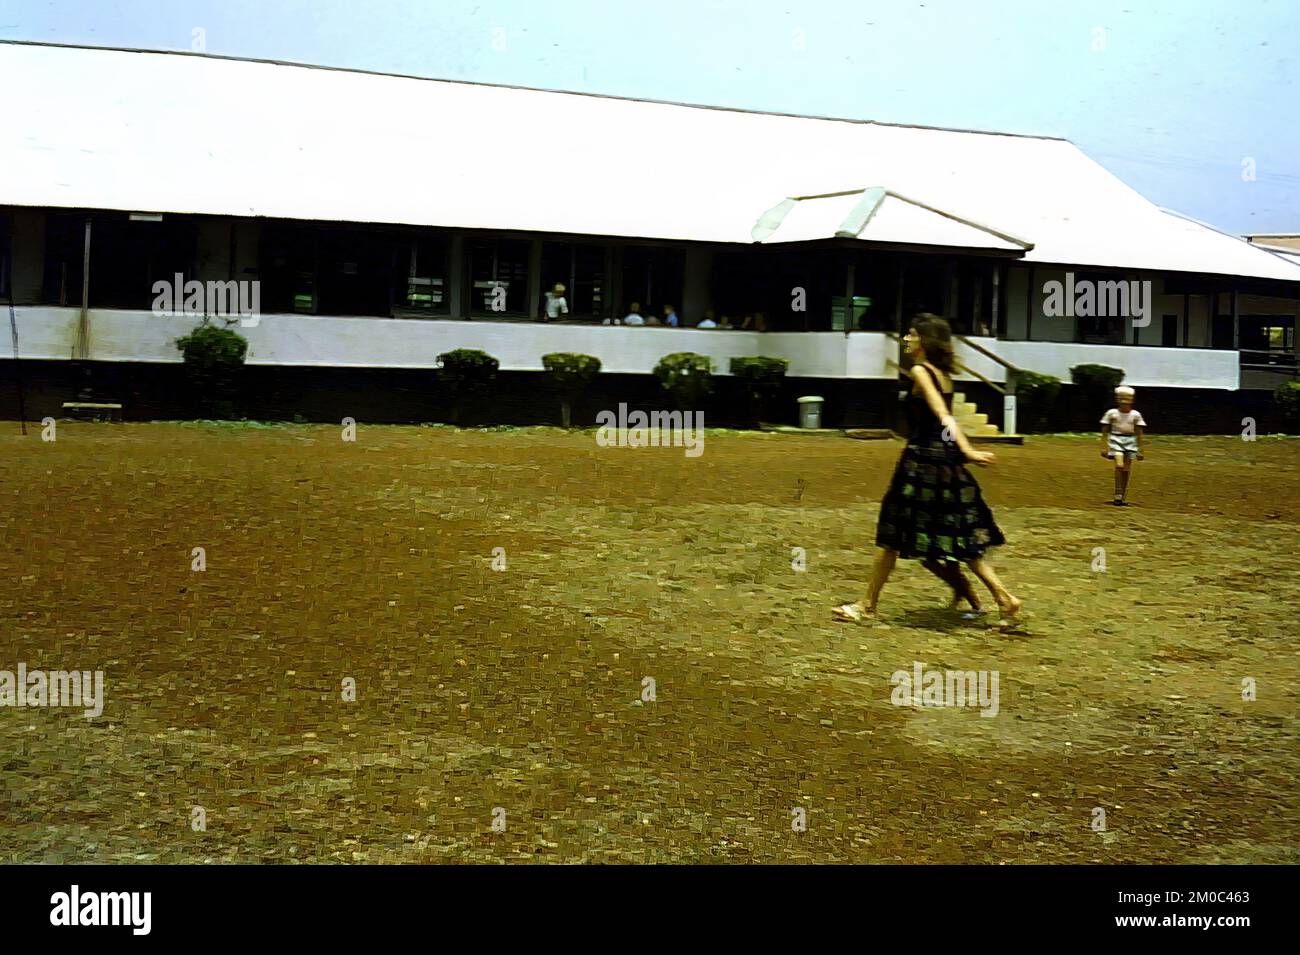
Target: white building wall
1198 321
116 335
1161 305
1154 367
1055 328
1015 293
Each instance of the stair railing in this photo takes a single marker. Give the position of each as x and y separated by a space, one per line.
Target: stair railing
1007 391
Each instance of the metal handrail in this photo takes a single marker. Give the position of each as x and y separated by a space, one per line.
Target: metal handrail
987 354
971 371
961 366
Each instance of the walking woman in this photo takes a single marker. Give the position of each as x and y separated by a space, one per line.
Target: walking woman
933 510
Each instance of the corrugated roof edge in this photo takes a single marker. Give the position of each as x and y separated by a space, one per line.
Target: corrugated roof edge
530 89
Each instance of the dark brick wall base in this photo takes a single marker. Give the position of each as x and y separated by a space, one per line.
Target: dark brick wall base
150 391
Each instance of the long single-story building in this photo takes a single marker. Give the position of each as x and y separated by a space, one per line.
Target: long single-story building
387 219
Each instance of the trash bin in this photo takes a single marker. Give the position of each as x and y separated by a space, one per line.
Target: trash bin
810 411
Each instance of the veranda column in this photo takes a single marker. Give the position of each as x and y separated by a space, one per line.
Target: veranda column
83 324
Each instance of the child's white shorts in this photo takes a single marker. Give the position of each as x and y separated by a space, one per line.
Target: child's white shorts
1124 444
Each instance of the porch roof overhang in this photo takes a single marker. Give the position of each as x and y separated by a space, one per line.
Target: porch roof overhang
879 216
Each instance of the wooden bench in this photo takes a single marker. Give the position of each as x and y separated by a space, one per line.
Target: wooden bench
93 410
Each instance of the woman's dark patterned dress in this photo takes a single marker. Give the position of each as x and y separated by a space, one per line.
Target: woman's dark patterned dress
933 508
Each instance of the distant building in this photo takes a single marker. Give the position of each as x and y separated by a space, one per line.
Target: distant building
388 219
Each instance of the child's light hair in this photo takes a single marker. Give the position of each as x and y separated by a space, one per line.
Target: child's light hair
1124 391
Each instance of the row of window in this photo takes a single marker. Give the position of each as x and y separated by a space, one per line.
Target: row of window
305 267
1264 333
347 270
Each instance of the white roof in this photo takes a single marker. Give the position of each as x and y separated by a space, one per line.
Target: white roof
174 132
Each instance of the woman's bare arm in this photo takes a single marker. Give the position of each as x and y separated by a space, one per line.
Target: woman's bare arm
934 399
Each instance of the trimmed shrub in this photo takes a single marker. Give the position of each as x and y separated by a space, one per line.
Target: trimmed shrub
1098 382
570 374
214 357
1287 398
762 378
686 376
1035 397
466 373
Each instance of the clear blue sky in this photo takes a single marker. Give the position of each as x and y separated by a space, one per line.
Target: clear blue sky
1171 95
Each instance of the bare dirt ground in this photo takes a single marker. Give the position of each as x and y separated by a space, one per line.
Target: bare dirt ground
521 689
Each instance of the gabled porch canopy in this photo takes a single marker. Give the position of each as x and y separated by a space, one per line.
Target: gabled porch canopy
879 216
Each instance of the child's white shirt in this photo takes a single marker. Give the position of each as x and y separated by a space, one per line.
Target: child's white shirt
555 304
1123 422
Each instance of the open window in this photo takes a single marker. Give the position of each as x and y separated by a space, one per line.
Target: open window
1269 338
288 267
422 262
126 257
581 269
653 276
355 268
498 264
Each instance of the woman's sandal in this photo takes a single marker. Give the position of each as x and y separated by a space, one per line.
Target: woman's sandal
1009 617
851 613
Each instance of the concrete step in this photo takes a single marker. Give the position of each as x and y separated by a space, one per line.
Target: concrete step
975 423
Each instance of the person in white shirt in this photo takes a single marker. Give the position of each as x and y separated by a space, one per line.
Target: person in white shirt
634 316
1122 428
556 305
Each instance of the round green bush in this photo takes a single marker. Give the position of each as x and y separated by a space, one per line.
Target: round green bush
213 357
467 367
570 373
465 373
209 348
1097 381
687 376
1287 398
760 371
762 377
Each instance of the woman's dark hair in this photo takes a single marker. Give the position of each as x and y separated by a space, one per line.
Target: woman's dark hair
936 339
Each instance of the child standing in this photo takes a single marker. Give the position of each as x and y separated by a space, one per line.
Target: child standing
555 304
1122 428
